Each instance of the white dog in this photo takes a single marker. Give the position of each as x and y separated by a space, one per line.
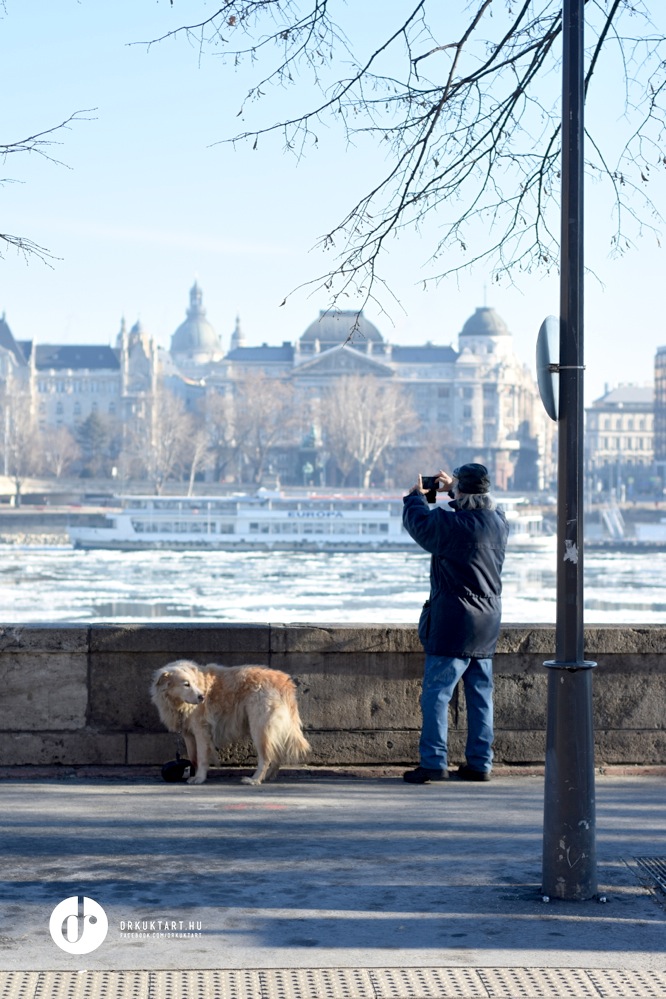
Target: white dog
211 706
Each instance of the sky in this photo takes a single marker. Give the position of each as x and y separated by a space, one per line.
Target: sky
147 198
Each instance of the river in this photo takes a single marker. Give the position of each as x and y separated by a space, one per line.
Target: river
59 584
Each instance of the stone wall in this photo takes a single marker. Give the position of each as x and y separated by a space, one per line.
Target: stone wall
76 695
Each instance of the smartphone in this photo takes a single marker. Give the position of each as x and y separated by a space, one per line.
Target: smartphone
431 484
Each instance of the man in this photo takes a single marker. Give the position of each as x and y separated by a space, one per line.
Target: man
460 622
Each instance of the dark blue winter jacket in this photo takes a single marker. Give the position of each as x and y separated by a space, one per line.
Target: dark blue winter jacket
462 616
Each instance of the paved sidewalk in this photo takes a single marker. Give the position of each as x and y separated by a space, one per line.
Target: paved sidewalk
356 874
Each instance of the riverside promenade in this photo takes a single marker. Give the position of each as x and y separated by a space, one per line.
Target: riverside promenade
333 882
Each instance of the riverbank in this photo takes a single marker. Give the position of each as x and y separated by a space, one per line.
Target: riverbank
36 539
45 525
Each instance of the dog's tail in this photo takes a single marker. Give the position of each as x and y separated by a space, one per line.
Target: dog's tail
288 744
295 746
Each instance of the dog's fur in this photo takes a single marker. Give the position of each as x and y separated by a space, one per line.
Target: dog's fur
211 706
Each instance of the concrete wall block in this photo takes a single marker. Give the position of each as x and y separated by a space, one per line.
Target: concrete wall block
344 638
158 748
120 692
622 638
520 701
535 639
339 702
629 747
68 748
328 748
626 663
364 666
43 691
153 748
182 641
25 638
519 747
629 702
520 664
344 748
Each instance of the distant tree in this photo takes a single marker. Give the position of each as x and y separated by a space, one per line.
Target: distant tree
266 416
221 433
21 444
59 450
432 449
94 438
159 440
362 417
199 454
464 100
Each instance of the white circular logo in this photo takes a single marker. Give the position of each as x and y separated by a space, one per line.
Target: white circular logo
78 925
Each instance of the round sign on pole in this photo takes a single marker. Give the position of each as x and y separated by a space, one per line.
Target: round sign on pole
547 353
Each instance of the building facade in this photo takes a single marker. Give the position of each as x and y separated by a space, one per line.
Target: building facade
620 442
477 397
660 411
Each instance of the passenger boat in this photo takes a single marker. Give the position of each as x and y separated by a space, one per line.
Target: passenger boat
269 521
266 522
527 530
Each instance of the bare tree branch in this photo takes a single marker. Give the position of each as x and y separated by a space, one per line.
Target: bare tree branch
39 144
471 125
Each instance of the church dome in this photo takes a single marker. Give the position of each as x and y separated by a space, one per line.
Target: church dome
333 328
485 322
196 338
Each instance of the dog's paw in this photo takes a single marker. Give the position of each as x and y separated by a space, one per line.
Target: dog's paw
196 780
251 781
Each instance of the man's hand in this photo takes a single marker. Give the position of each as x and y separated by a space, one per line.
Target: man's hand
445 482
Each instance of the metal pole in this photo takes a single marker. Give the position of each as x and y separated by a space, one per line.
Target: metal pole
569 851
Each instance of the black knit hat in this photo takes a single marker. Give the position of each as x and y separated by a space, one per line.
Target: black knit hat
472 478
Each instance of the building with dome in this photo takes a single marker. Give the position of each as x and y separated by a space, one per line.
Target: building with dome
195 342
476 400
479 400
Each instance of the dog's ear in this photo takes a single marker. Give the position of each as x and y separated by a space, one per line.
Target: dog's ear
163 676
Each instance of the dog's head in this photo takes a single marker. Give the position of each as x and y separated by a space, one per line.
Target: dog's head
179 682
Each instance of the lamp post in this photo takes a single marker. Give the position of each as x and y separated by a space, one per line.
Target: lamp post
569 851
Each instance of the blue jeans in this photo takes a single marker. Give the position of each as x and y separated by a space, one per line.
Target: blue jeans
440 678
